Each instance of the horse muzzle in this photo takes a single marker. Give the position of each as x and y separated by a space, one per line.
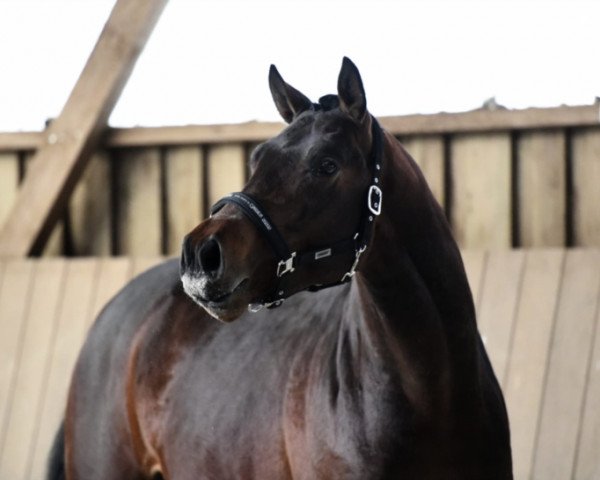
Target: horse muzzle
205 278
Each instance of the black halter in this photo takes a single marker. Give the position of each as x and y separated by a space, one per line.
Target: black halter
288 260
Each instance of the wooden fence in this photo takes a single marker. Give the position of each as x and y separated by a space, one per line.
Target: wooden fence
538 313
527 178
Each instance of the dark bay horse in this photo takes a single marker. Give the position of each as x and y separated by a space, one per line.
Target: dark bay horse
380 376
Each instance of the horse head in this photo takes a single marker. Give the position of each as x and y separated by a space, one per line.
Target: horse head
303 217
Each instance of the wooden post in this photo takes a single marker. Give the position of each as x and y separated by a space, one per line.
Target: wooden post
71 137
428 152
184 194
481 203
586 172
542 188
226 170
9 182
138 202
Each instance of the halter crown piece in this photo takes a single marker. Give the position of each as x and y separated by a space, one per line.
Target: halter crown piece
288 260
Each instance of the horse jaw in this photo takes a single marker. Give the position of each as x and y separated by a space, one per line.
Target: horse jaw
226 311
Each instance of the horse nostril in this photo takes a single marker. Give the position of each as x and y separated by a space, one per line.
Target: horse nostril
210 256
187 254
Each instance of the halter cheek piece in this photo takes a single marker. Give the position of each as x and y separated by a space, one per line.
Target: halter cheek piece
289 261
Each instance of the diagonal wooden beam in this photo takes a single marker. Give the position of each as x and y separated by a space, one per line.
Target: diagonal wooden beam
75 133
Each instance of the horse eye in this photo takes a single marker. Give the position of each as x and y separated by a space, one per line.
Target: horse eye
326 167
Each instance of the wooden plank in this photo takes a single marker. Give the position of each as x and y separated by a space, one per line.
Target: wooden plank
9 183
71 327
12 142
193 134
113 274
530 350
14 305
567 370
184 195
588 461
481 186
25 396
76 132
586 178
498 306
542 188
138 202
483 120
90 211
54 245
475 262
428 124
428 152
142 264
226 170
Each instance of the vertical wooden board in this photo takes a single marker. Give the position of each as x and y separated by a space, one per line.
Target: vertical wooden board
587 465
9 183
139 202
542 188
226 170
25 396
428 152
586 190
481 190
54 245
567 370
90 209
71 327
113 274
474 261
498 304
14 305
527 363
184 200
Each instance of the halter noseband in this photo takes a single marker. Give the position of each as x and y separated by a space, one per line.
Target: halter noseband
288 260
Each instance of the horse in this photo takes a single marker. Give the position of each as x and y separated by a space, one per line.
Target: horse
318 325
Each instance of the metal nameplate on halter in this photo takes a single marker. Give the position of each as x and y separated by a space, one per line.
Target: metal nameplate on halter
285 266
374 199
322 254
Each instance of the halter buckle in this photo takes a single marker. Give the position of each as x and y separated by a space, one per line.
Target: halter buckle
374 199
285 266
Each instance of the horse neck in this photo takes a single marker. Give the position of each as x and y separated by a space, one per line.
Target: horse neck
416 304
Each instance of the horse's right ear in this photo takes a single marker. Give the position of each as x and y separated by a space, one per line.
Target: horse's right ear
351 91
289 102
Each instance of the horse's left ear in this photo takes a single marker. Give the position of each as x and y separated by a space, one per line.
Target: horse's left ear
289 102
351 91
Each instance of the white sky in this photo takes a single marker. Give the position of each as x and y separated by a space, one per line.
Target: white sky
207 60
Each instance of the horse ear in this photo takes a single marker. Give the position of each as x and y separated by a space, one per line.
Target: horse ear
351 91
289 101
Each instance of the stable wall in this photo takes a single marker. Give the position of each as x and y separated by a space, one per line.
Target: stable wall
525 178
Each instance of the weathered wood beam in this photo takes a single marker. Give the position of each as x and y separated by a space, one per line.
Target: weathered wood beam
429 124
494 120
76 132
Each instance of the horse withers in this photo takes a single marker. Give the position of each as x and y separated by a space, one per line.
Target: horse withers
359 359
